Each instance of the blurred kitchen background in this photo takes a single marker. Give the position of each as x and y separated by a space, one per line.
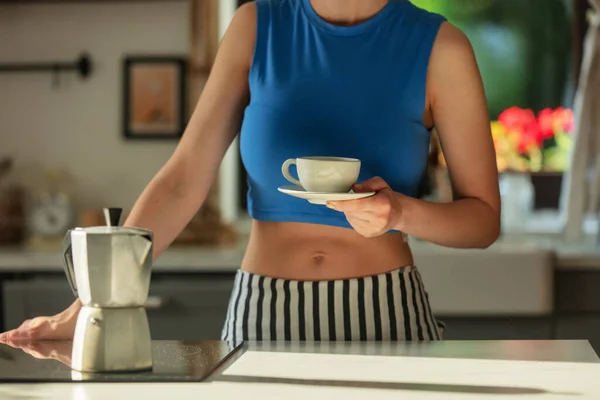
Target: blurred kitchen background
95 94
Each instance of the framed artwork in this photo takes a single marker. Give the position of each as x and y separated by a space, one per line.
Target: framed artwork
154 97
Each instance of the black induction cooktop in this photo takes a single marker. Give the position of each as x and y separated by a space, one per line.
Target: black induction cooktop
174 361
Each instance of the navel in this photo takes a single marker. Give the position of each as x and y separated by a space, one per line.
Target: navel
318 258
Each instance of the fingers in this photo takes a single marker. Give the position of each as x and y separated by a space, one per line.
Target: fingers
4 336
371 185
344 206
372 215
41 353
353 206
365 229
14 334
358 225
367 204
37 328
361 219
41 349
32 351
43 328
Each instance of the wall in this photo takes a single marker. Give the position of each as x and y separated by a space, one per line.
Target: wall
77 126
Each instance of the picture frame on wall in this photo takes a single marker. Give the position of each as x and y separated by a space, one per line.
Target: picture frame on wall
154 97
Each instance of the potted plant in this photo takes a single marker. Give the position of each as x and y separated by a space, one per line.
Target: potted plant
536 145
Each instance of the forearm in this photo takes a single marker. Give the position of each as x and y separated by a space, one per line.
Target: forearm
166 206
464 223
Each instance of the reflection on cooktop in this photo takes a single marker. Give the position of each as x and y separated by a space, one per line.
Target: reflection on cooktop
174 361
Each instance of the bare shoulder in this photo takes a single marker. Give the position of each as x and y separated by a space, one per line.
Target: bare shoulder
451 42
245 15
240 38
452 60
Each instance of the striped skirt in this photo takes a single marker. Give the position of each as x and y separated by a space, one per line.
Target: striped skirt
392 306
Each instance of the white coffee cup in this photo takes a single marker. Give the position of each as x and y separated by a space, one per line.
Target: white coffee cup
323 174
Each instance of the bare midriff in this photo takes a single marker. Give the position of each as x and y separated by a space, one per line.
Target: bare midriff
309 252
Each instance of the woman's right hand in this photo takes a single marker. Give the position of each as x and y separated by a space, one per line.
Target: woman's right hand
59 350
56 327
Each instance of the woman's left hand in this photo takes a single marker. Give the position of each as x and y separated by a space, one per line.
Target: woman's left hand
375 215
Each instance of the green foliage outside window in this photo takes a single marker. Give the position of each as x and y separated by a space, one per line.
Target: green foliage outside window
523 48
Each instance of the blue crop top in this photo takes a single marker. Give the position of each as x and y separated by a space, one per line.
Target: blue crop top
318 89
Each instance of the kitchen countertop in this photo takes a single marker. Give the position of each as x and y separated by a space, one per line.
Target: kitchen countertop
541 235
175 259
584 254
484 369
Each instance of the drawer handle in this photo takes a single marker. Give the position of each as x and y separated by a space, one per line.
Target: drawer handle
154 302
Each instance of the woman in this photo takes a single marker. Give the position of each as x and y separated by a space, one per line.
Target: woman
354 78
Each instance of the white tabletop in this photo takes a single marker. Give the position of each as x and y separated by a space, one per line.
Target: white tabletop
516 370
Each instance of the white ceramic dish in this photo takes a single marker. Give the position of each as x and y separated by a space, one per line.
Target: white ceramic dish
321 198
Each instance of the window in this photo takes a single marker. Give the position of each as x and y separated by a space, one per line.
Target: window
523 48
529 53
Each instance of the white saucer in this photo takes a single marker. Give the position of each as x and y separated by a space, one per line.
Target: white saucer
321 198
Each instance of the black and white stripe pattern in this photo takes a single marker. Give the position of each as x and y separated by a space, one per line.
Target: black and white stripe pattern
386 307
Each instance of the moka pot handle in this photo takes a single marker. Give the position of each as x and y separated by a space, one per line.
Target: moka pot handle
67 258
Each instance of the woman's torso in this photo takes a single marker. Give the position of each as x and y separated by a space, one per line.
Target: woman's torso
309 252
319 89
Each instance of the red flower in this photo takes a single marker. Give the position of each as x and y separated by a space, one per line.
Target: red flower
516 118
529 131
546 119
523 124
564 120
531 136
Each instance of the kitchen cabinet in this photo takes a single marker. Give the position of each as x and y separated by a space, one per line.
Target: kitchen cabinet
41 295
577 291
584 326
189 309
578 306
179 307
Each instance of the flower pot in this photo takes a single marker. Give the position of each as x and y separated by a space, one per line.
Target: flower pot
518 195
547 187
